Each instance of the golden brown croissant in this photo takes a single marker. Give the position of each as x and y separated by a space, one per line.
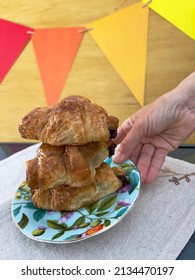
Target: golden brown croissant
66 198
73 121
70 165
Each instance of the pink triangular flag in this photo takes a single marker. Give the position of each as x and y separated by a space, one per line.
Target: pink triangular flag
13 39
55 50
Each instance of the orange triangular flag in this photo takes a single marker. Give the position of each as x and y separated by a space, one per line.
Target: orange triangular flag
55 50
122 36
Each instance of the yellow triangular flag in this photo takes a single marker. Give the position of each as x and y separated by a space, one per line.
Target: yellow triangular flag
179 13
122 37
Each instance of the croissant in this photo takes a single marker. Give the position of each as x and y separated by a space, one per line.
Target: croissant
70 165
73 121
67 198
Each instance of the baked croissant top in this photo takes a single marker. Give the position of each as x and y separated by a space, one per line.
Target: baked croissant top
73 121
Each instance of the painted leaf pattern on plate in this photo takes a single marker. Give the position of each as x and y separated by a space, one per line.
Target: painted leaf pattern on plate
76 225
24 221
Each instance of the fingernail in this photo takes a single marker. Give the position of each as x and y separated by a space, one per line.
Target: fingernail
142 178
117 157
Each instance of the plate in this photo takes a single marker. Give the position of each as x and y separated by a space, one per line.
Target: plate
67 227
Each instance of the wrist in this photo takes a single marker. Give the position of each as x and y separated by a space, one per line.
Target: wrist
185 92
183 96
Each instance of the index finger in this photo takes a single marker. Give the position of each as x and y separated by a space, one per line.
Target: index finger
122 131
127 145
120 136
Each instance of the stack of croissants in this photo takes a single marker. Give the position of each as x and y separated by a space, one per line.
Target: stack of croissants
69 171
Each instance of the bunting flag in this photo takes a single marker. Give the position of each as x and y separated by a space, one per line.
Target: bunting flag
179 13
13 39
55 50
122 37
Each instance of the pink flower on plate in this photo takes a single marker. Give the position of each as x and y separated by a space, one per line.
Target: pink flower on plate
65 217
123 202
124 188
42 228
51 212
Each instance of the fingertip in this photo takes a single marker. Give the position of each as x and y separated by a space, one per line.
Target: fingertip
118 157
155 166
151 176
149 180
143 169
142 177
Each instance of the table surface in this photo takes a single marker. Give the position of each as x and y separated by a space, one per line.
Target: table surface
184 152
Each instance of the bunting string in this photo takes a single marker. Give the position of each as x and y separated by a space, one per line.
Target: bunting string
122 37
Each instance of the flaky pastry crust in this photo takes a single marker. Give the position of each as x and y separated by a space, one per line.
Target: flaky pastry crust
66 198
71 165
73 121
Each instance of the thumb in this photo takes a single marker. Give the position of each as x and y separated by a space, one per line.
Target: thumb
128 144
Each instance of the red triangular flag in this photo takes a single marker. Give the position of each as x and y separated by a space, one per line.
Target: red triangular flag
13 39
55 50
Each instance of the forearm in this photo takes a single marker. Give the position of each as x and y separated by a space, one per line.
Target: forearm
184 93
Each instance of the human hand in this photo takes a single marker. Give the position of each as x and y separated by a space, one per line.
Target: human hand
157 129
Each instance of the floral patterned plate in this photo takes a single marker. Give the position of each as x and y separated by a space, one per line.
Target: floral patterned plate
66 227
